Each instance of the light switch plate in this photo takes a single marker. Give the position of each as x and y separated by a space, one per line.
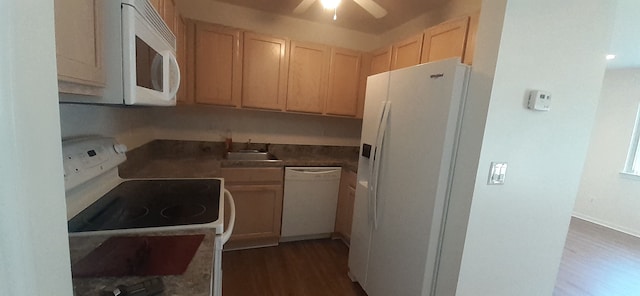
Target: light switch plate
497 173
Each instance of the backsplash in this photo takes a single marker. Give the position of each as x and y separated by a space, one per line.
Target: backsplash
135 126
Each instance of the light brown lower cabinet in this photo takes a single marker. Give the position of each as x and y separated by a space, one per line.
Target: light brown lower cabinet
258 199
344 211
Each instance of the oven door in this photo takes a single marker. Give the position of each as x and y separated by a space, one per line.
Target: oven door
150 70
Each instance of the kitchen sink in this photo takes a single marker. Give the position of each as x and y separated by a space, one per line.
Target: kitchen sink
250 155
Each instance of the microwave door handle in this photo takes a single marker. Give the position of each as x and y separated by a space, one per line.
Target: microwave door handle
174 70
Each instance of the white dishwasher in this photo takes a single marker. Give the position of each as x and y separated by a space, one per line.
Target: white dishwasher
310 200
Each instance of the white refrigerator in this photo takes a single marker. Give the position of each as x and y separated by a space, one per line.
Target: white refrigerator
410 132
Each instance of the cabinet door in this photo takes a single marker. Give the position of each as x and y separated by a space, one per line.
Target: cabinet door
158 5
258 215
344 76
308 73
218 65
181 56
381 61
407 52
265 67
446 40
346 199
168 14
79 26
470 47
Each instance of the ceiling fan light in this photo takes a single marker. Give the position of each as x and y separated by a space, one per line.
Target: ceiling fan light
330 4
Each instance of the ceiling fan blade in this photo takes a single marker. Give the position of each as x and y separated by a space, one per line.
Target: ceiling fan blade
372 7
303 6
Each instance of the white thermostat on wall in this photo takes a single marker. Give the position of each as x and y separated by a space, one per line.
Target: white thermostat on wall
539 100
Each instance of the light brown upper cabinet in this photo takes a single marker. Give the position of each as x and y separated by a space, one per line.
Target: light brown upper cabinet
79 26
470 48
406 53
158 5
308 74
344 75
181 56
178 26
445 40
217 65
265 69
167 11
381 61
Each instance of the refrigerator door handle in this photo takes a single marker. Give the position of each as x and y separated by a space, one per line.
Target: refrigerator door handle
373 188
372 162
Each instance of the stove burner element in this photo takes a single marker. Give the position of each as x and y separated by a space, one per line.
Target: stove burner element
131 214
183 211
192 188
122 215
136 204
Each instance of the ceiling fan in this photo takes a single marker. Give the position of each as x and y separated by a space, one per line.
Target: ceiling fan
369 5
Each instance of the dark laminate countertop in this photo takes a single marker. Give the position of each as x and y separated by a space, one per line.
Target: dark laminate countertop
193 159
195 281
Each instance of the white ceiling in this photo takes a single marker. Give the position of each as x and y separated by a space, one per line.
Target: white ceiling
350 15
625 42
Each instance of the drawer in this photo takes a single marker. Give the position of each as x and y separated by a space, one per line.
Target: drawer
252 175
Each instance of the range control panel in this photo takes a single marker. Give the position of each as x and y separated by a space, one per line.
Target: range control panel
86 158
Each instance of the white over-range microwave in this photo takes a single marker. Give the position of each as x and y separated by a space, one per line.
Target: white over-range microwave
139 54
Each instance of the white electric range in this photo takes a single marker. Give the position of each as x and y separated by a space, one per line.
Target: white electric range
99 202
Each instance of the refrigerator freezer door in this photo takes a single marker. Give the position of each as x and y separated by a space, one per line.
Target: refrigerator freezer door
415 167
376 95
361 235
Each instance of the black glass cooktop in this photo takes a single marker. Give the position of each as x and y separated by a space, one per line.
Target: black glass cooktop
152 203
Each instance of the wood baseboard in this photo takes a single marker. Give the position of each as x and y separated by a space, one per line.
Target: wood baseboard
250 243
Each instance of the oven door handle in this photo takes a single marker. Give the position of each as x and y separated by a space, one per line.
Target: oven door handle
232 217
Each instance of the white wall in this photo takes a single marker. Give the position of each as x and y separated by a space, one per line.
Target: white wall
605 196
34 250
210 124
139 125
624 41
131 126
516 232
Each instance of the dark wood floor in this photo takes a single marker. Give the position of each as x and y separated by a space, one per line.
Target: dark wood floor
307 268
598 261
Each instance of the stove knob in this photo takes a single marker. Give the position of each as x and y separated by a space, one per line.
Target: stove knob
120 148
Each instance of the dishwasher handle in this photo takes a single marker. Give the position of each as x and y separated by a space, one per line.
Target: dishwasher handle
312 173
315 171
